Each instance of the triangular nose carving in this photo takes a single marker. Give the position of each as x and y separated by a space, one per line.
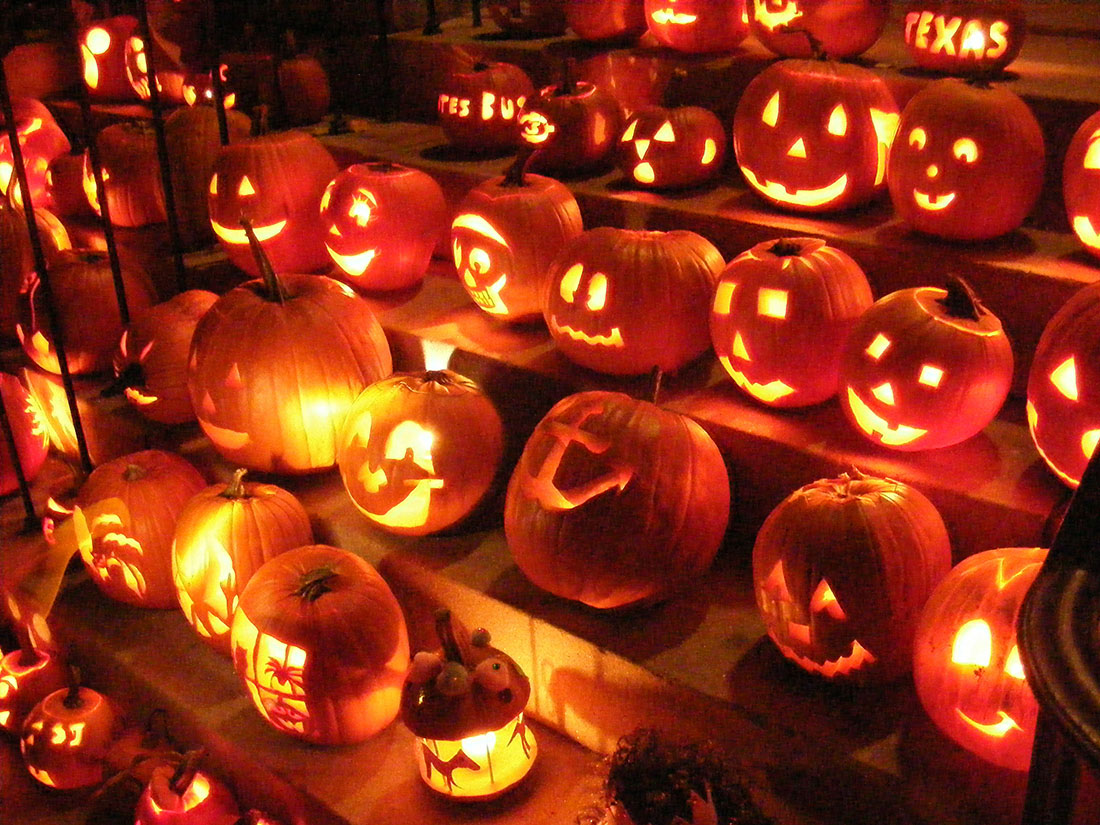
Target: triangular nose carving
798 150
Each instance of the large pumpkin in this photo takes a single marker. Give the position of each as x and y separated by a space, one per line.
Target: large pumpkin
1081 183
669 148
103 52
66 738
28 428
479 105
615 501
223 535
966 665
842 568
40 142
624 301
801 28
320 643
17 268
964 37
697 26
814 135
131 175
781 314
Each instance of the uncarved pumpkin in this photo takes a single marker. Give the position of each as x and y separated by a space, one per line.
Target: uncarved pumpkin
131 175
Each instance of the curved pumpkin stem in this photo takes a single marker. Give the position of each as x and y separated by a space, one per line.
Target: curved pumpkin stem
273 287
134 472
235 488
785 248
961 301
185 772
515 175
316 583
72 698
673 94
444 629
568 85
656 377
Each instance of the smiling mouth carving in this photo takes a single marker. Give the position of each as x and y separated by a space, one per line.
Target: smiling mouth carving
611 339
767 393
799 197
933 204
999 729
354 265
238 236
489 297
856 659
1084 229
871 423
670 16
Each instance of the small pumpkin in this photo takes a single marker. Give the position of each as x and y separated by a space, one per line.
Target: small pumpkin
320 643
964 37
670 148
303 89
479 105
66 738
26 678
800 28
185 795
29 431
698 26
606 21
1080 180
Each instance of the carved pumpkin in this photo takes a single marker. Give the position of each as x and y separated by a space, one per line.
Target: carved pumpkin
964 37
185 795
223 535
624 301
814 136
465 705
479 105
66 737
321 645
529 18
26 678
382 222
17 259
670 148
968 161
295 349
131 175
504 236
198 88
606 21
132 562
29 430
842 568
103 52
170 72
925 368
151 359
781 314
697 26
276 181
966 665
40 141
80 280
1063 387
615 501
418 451
799 28
1081 183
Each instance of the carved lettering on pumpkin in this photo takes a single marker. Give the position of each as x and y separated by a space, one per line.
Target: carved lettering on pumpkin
954 37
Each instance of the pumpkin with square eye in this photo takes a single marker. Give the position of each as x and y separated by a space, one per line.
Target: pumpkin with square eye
966 664
382 222
802 28
1063 387
623 301
968 161
964 37
103 53
842 568
1081 183
813 136
479 106
669 148
925 368
697 26
276 182
781 314
41 141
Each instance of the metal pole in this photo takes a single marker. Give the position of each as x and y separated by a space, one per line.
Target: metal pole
31 521
214 59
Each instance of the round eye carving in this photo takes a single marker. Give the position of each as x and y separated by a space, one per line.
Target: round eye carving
457 249
597 292
1092 154
965 150
918 138
479 260
771 110
838 121
973 644
491 674
569 282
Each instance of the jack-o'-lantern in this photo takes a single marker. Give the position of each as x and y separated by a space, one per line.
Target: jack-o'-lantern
66 738
669 148
504 236
320 643
131 560
223 535
925 368
616 501
151 360
1081 183
624 301
465 705
80 280
418 451
185 795
17 270
130 168
781 314
968 161
382 222
801 28
964 37
842 568
966 665
814 136
198 88
103 52
698 26
1063 387
170 73
27 428
296 349
606 21
40 141
276 181
479 105
529 18
26 678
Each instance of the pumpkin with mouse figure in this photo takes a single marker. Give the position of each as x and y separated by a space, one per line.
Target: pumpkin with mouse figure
801 28
103 54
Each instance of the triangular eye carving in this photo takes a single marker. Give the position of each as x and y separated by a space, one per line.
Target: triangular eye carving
665 134
823 599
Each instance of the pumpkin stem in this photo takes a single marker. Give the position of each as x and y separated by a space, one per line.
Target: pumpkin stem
481 66
186 770
28 656
316 583
438 377
961 301
656 376
134 472
235 488
72 698
817 48
785 248
273 287
568 85
673 93
444 629
515 175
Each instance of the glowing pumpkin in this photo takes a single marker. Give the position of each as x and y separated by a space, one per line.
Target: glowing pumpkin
103 52
966 665
198 88
40 142
66 737
671 148
26 678
968 161
170 72
465 705
606 21
1081 183
925 368
697 26
17 258
615 501
185 795
801 28
781 314
479 105
814 136
320 643
842 568
964 37
29 431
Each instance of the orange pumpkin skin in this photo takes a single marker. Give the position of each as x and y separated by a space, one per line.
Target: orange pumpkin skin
133 563
606 21
966 665
66 738
304 89
623 301
40 141
616 502
697 26
26 681
843 28
781 314
671 148
529 18
479 106
223 535
65 185
964 37
321 645
841 570
1081 183
967 163
573 126
32 441
301 363
131 175
814 136
202 800
103 52
17 261
420 450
